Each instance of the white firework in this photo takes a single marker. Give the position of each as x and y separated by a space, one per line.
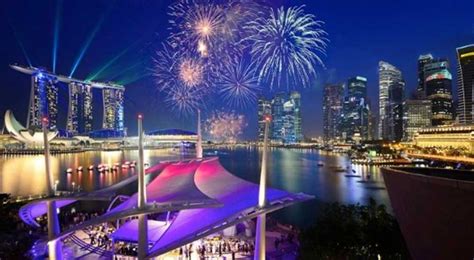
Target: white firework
239 85
286 46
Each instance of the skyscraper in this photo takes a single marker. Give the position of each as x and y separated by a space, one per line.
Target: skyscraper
286 117
43 100
438 90
332 111
113 108
465 84
391 88
417 115
394 111
356 109
79 119
289 133
420 89
295 97
264 108
277 116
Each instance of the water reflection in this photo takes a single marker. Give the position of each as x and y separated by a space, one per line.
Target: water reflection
25 175
289 169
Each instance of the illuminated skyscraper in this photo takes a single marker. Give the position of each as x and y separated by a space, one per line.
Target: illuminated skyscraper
295 97
286 117
264 108
43 100
79 120
113 108
288 132
420 89
465 84
356 109
417 116
438 90
277 117
394 111
391 88
332 111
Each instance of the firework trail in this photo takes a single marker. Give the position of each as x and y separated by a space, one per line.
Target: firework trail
239 85
286 46
225 127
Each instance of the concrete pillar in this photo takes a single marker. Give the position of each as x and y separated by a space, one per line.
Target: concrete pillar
54 245
260 239
199 137
142 219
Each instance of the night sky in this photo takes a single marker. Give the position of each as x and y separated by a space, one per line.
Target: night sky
361 33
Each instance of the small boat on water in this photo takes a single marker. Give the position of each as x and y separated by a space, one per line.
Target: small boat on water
79 169
69 171
320 164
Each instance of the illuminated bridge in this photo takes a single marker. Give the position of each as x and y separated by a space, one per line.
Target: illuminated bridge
44 101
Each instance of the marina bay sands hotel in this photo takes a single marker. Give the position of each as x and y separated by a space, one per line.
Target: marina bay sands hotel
44 101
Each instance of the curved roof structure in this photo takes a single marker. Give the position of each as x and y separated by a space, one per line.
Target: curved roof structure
239 199
22 134
206 197
29 212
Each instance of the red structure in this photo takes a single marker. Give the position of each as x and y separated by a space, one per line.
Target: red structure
435 209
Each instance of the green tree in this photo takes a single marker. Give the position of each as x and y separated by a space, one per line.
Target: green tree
353 232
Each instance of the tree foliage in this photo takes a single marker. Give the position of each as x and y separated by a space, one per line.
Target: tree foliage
353 232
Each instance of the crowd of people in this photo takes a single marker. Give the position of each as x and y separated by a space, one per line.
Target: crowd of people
216 247
125 249
100 235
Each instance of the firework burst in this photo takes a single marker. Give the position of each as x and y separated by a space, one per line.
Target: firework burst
181 78
185 100
191 72
225 127
286 46
164 68
239 85
195 24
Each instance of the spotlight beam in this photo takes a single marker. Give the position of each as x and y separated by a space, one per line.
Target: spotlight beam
88 42
110 62
57 22
124 70
20 44
133 78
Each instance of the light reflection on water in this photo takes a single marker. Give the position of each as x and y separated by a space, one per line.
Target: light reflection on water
25 175
293 170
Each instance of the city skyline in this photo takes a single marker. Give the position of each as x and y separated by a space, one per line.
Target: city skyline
343 60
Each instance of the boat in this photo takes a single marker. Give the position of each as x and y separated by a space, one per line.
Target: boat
339 169
69 171
320 164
